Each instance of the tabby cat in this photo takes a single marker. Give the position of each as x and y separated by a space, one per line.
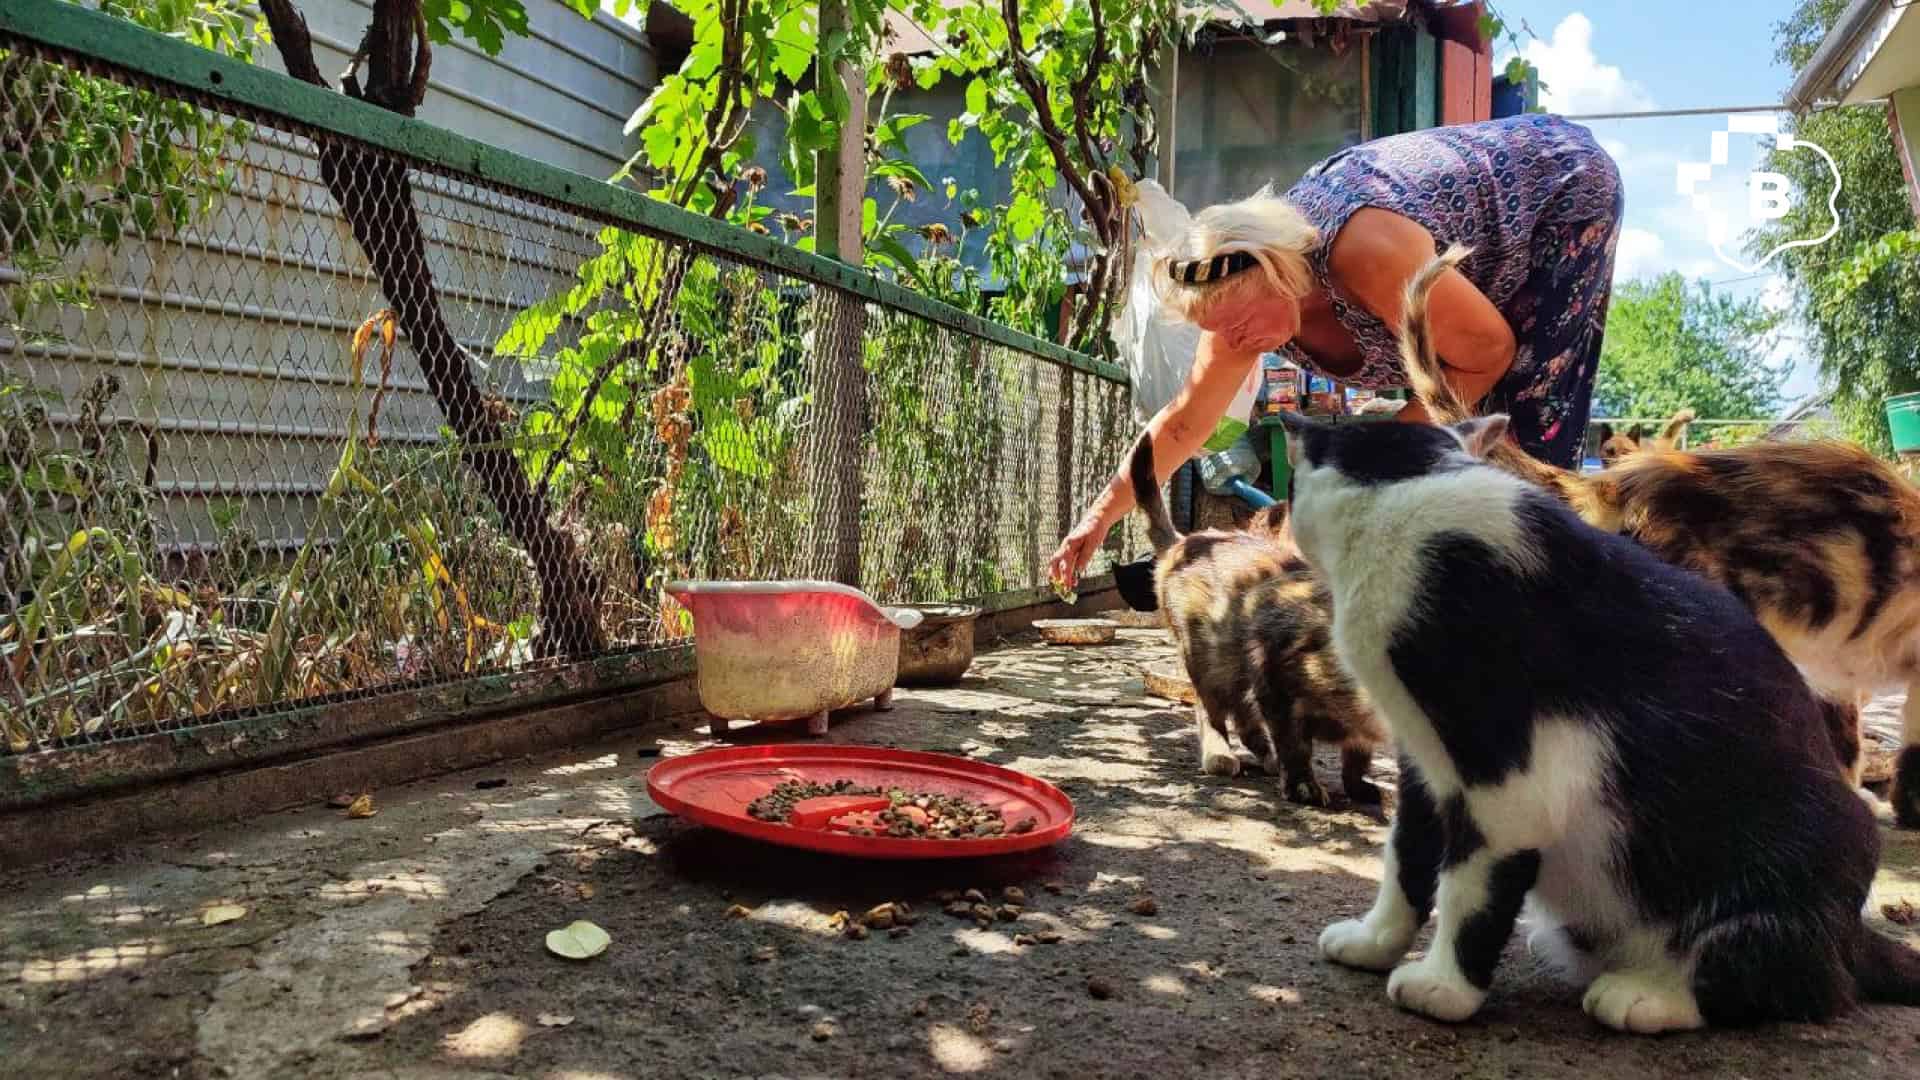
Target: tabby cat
1253 626
1615 445
1587 728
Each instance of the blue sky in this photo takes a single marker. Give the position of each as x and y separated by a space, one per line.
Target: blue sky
1603 56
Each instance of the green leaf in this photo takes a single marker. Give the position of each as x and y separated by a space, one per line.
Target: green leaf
976 97
894 250
579 940
730 446
889 132
1025 216
805 126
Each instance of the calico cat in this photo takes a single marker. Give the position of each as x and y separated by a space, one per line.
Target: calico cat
1821 540
1589 728
1253 627
1616 445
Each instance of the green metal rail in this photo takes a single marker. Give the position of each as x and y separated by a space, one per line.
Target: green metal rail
71 28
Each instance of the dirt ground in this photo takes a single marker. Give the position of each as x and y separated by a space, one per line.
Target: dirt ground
410 944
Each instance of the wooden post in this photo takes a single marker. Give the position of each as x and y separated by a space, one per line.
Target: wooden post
838 450
1166 104
840 175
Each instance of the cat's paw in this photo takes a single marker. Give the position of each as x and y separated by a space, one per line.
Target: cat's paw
1881 809
1220 764
1364 792
1308 791
1434 989
1626 1001
1353 943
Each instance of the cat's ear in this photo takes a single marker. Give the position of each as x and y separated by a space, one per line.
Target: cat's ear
1481 433
1606 433
1636 434
1299 428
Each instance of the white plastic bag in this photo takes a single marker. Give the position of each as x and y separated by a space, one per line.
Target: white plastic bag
1159 352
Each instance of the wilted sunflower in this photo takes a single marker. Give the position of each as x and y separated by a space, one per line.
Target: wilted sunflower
902 187
900 71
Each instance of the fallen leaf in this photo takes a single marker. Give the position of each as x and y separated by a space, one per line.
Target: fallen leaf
362 807
578 941
586 891
223 913
1904 912
555 1019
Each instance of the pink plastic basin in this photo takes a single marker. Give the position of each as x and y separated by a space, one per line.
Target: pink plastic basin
782 650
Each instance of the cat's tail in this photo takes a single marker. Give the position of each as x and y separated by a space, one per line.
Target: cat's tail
1146 495
1886 970
1426 376
1676 427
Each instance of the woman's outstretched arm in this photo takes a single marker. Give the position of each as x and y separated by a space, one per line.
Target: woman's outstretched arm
1178 430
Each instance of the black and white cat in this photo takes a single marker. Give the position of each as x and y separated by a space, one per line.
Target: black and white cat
1589 728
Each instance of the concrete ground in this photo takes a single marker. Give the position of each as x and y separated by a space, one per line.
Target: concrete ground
410 943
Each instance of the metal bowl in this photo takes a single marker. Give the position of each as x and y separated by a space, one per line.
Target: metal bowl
940 650
1128 619
1168 679
1076 631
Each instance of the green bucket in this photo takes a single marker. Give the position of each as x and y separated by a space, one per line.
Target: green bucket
1903 420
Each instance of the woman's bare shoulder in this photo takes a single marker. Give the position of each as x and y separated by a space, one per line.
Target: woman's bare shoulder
1374 255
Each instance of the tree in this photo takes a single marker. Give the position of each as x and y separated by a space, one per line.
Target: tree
1671 346
1859 292
375 196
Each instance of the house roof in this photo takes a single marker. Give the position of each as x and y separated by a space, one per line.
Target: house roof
909 38
1872 51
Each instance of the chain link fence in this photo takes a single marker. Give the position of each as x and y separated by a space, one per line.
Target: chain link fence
287 417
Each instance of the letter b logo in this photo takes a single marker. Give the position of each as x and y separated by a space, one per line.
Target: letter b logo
1768 196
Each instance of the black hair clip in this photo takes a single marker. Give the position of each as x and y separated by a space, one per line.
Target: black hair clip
1203 271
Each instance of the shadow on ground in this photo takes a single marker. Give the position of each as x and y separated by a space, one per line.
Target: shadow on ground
1185 910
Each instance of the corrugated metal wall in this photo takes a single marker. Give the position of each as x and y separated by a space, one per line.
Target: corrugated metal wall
230 340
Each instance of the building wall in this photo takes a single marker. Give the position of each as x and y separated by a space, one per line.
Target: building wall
230 340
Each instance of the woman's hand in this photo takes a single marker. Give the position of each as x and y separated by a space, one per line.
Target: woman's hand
1250 316
1076 551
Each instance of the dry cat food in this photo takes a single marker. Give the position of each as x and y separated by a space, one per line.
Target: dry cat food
911 815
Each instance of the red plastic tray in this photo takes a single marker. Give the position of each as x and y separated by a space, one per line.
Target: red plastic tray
713 788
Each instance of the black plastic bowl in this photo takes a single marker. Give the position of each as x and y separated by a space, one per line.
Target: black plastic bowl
1135 582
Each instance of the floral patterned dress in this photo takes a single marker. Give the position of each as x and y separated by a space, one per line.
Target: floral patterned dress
1539 202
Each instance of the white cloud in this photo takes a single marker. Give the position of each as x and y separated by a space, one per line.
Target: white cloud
1577 82
1616 150
1639 252
1777 294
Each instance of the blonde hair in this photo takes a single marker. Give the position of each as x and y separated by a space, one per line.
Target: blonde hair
1264 226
